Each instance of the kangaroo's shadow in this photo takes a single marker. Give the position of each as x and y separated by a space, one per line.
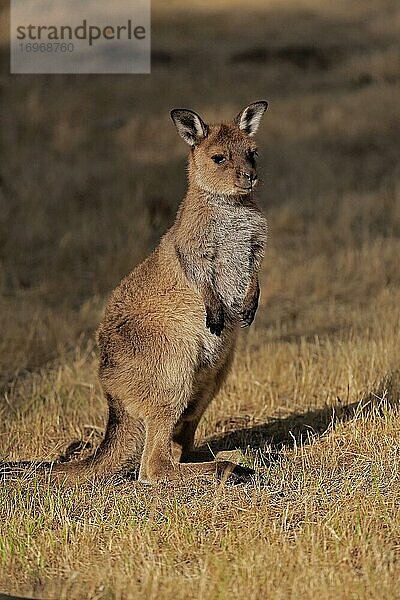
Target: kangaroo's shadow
303 428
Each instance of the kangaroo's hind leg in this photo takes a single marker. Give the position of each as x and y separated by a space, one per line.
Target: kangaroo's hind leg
158 464
166 429
185 429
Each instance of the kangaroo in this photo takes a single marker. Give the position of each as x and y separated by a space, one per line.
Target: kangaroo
168 334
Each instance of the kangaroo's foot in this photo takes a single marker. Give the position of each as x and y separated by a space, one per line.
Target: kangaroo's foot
160 458
223 470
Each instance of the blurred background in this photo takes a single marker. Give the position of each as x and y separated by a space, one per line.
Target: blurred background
92 169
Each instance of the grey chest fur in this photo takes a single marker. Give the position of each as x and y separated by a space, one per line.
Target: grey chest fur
240 236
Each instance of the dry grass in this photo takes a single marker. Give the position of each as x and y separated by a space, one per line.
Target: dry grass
91 175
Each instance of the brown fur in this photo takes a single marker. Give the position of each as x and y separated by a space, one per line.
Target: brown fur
168 334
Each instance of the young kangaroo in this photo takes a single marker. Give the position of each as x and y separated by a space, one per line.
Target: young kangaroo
168 334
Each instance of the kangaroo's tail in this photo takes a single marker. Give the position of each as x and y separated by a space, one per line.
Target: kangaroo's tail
118 453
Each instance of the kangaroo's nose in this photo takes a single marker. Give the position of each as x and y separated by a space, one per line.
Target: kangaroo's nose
250 176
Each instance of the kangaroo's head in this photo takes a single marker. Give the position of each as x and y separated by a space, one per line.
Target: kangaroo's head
223 156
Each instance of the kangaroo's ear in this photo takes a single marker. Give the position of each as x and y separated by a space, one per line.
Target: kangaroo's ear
250 117
189 125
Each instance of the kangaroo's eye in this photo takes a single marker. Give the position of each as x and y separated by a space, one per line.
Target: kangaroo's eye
218 158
